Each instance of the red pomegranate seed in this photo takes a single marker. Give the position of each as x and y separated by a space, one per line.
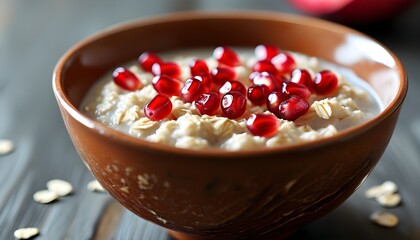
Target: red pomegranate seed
265 66
263 125
302 76
267 79
325 82
198 67
147 59
233 105
126 79
292 88
274 100
293 107
206 80
226 56
158 108
266 52
230 86
166 68
207 103
192 89
258 94
167 85
284 63
221 74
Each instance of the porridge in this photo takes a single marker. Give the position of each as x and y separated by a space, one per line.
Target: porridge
230 99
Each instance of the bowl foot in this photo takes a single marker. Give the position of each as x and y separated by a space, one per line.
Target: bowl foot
186 236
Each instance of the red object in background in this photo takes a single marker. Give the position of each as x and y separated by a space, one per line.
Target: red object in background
354 11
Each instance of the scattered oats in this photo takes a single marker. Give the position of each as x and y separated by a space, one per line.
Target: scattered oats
60 187
389 200
384 219
385 188
6 147
26 233
95 186
45 196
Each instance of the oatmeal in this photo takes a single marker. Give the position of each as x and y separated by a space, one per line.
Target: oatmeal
230 99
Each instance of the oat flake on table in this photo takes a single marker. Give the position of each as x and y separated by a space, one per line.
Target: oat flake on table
6 147
384 219
95 186
45 196
60 187
26 233
389 200
386 188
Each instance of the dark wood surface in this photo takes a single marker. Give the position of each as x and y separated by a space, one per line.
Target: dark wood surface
34 34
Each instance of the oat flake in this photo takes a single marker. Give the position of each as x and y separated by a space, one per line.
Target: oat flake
323 109
26 233
389 200
45 196
6 147
95 186
384 219
385 188
60 187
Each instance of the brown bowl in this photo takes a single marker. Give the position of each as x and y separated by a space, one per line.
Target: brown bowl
215 194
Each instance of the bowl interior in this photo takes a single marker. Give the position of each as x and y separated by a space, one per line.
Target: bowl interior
92 58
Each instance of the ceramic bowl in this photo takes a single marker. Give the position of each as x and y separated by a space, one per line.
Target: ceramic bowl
215 194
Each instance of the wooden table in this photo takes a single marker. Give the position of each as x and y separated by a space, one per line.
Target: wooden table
34 34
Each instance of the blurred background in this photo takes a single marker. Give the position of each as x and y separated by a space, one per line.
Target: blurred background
35 33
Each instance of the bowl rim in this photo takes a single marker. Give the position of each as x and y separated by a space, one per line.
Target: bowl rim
101 129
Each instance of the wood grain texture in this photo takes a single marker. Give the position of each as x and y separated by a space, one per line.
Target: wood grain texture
34 34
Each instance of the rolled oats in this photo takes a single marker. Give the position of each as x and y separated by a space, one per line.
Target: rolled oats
384 219
388 187
60 187
6 147
322 109
45 196
95 186
26 233
389 200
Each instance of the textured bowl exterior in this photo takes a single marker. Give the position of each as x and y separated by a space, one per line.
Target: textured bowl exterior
219 194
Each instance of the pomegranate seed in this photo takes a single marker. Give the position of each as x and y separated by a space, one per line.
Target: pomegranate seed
192 89
226 56
266 52
265 66
284 63
126 79
302 76
166 68
274 100
232 86
198 67
263 125
206 80
233 105
147 59
258 94
158 108
293 107
292 88
325 82
267 79
167 85
207 103
222 74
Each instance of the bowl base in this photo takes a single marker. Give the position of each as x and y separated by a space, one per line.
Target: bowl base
186 236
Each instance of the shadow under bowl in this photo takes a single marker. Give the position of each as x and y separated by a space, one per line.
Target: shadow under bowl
215 194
